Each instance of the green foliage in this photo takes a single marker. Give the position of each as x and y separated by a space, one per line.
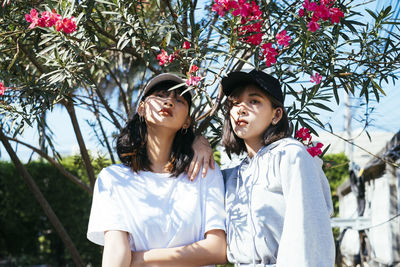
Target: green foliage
336 168
26 235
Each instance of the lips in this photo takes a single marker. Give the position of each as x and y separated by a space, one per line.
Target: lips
241 122
166 112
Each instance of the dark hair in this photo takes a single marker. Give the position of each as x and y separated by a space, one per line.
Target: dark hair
234 144
132 141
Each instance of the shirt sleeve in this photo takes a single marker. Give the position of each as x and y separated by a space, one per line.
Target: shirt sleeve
107 210
214 201
307 239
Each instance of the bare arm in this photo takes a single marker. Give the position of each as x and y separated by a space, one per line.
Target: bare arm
203 158
211 250
117 252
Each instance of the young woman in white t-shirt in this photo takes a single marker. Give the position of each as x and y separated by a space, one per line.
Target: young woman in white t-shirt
146 211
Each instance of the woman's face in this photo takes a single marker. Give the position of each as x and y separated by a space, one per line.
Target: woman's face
166 109
252 113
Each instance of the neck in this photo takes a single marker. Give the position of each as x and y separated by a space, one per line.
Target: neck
253 146
159 144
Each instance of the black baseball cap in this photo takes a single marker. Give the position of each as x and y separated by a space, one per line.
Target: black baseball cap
265 81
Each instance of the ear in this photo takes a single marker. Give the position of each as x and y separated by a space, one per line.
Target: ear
187 123
140 109
278 113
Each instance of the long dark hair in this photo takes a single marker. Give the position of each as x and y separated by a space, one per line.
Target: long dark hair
234 144
132 141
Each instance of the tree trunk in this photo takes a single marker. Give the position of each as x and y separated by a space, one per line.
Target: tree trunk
85 155
43 202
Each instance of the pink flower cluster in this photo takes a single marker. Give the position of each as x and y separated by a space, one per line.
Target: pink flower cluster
323 11
269 52
252 22
304 136
50 19
193 79
2 89
316 78
164 59
250 18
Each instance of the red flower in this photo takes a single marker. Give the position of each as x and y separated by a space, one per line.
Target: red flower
163 57
301 12
186 45
243 9
171 58
316 78
69 25
322 12
50 18
303 134
193 68
223 6
193 80
2 89
335 14
33 18
282 38
313 26
315 150
269 53
310 6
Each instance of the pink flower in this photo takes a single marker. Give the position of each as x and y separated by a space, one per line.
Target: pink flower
59 25
322 12
282 38
301 12
193 68
303 134
316 78
193 80
33 18
68 25
335 14
243 9
50 18
310 6
253 30
171 58
315 150
313 26
269 53
186 45
2 89
163 57
223 6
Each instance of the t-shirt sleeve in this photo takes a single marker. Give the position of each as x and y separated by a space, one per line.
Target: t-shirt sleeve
214 201
106 212
306 230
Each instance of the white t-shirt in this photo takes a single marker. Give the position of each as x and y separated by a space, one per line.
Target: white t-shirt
158 211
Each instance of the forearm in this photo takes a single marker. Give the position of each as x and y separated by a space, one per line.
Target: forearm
211 250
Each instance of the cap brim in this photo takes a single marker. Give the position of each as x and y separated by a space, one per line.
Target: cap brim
163 77
235 79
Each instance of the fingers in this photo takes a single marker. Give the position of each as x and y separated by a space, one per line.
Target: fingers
205 167
191 166
196 170
212 162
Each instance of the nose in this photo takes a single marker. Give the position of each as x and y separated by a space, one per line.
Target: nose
241 111
168 102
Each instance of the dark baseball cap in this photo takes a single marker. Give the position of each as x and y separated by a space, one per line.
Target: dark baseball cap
265 81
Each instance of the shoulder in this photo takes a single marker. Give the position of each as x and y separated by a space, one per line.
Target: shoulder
290 148
212 173
114 173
